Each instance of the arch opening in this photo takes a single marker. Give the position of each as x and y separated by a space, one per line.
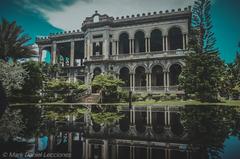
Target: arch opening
156 40
175 71
175 38
140 77
139 42
124 43
157 76
63 54
125 76
46 55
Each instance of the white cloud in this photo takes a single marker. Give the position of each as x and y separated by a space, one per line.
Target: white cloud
71 17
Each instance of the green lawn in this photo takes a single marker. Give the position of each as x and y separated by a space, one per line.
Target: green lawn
148 102
181 103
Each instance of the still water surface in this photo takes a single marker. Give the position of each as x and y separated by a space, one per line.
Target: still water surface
146 132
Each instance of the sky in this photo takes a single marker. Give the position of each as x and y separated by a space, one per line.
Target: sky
41 17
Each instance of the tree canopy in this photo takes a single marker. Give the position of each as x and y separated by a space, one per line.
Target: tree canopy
13 41
203 71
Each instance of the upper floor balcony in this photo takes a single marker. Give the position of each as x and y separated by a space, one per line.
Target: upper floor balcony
140 56
150 55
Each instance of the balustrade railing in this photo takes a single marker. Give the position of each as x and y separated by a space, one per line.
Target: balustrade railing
143 55
157 88
140 88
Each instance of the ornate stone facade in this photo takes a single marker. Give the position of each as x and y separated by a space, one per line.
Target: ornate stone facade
146 51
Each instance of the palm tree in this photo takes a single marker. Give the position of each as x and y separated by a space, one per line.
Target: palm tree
13 42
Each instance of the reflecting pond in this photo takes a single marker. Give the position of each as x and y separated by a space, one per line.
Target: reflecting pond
120 132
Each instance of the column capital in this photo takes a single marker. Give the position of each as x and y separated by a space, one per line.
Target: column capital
166 71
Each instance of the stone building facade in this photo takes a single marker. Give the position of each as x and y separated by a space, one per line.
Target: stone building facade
146 51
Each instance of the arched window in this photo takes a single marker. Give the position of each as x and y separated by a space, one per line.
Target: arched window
63 53
175 71
124 75
157 76
46 55
139 41
96 18
140 77
156 40
124 43
175 38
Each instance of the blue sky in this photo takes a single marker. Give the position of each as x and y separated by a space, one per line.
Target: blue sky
41 17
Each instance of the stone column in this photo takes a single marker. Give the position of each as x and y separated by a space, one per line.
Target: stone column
147 81
133 46
184 44
51 142
131 82
84 150
54 53
146 44
88 49
40 54
132 152
150 115
186 41
133 76
150 82
105 149
133 115
113 47
117 150
163 43
165 80
130 46
69 142
168 82
165 116
167 43
149 45
72 61
117 47
85 49
114 152
167 154
89 151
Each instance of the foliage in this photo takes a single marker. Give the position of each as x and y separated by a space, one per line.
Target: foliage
62 90
106 118
202 36
108 85
34 82
62 115
12 77
203 71
13 41
231 78
50 71
123 95
3 99
31 117
11 125
208 127
202 76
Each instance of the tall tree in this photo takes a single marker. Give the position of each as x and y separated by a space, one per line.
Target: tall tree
13 41
202 74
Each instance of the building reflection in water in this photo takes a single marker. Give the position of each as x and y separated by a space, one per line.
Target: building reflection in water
147 132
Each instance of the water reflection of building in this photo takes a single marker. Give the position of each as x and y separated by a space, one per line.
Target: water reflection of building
144 133
146 51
